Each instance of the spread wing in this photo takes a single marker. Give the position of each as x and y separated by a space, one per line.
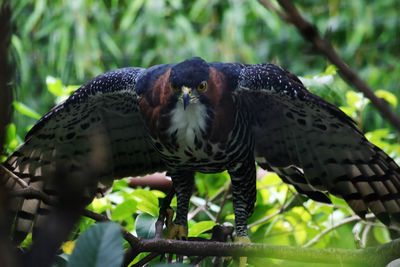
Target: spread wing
314 145
99 127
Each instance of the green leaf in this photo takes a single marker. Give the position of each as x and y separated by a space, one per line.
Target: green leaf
145 226
350 111
200 227
27 241
125 209
100 205
388 96
330 70
148 207
25 110
352 98
382 235
11 137
146 201
271 179
71 88
54 86
101 245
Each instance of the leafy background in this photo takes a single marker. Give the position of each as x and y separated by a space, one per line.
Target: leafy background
59 45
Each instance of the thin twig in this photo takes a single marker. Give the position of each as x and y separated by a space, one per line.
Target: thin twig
198 210
364 235
224 198
310 33
272 7
212 218
202 207
15 177
353 218
282 209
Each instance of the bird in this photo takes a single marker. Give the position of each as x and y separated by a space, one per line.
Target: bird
208 117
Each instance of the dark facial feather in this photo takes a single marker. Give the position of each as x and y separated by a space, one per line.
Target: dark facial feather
189 73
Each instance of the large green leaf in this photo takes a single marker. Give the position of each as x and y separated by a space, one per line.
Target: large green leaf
100 246
125 209
145 225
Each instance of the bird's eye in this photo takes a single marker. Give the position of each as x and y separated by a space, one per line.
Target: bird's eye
202 87
174 87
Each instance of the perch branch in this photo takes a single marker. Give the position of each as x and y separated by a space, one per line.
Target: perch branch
374 256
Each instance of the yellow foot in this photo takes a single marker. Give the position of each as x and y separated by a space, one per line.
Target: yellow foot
242 260
177 231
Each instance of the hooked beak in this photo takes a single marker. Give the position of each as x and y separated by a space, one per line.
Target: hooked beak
186 96
186 100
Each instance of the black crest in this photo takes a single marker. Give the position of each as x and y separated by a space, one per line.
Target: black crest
190 72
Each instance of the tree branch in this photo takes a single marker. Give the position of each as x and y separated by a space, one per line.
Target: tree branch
368 257
310 33
132 240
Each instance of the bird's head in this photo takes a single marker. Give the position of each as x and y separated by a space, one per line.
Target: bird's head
189 80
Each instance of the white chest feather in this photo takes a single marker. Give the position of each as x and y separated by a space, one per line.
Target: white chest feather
188 122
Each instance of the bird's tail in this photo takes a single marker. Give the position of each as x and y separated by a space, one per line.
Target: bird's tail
26 177
21 211
294 176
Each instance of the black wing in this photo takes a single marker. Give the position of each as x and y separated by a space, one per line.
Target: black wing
296 129
97 129
103 113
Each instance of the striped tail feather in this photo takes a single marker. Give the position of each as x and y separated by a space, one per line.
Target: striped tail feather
29 214
374 184
348 166
21 211
294 176
28 166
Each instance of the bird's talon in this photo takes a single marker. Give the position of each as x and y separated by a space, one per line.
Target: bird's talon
177 231
170 216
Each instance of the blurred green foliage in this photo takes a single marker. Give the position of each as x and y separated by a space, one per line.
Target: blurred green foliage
58 45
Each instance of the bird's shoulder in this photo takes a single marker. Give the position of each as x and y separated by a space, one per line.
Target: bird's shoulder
282 87
231 72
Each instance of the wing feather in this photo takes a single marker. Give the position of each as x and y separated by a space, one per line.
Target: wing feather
294 128
99 128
